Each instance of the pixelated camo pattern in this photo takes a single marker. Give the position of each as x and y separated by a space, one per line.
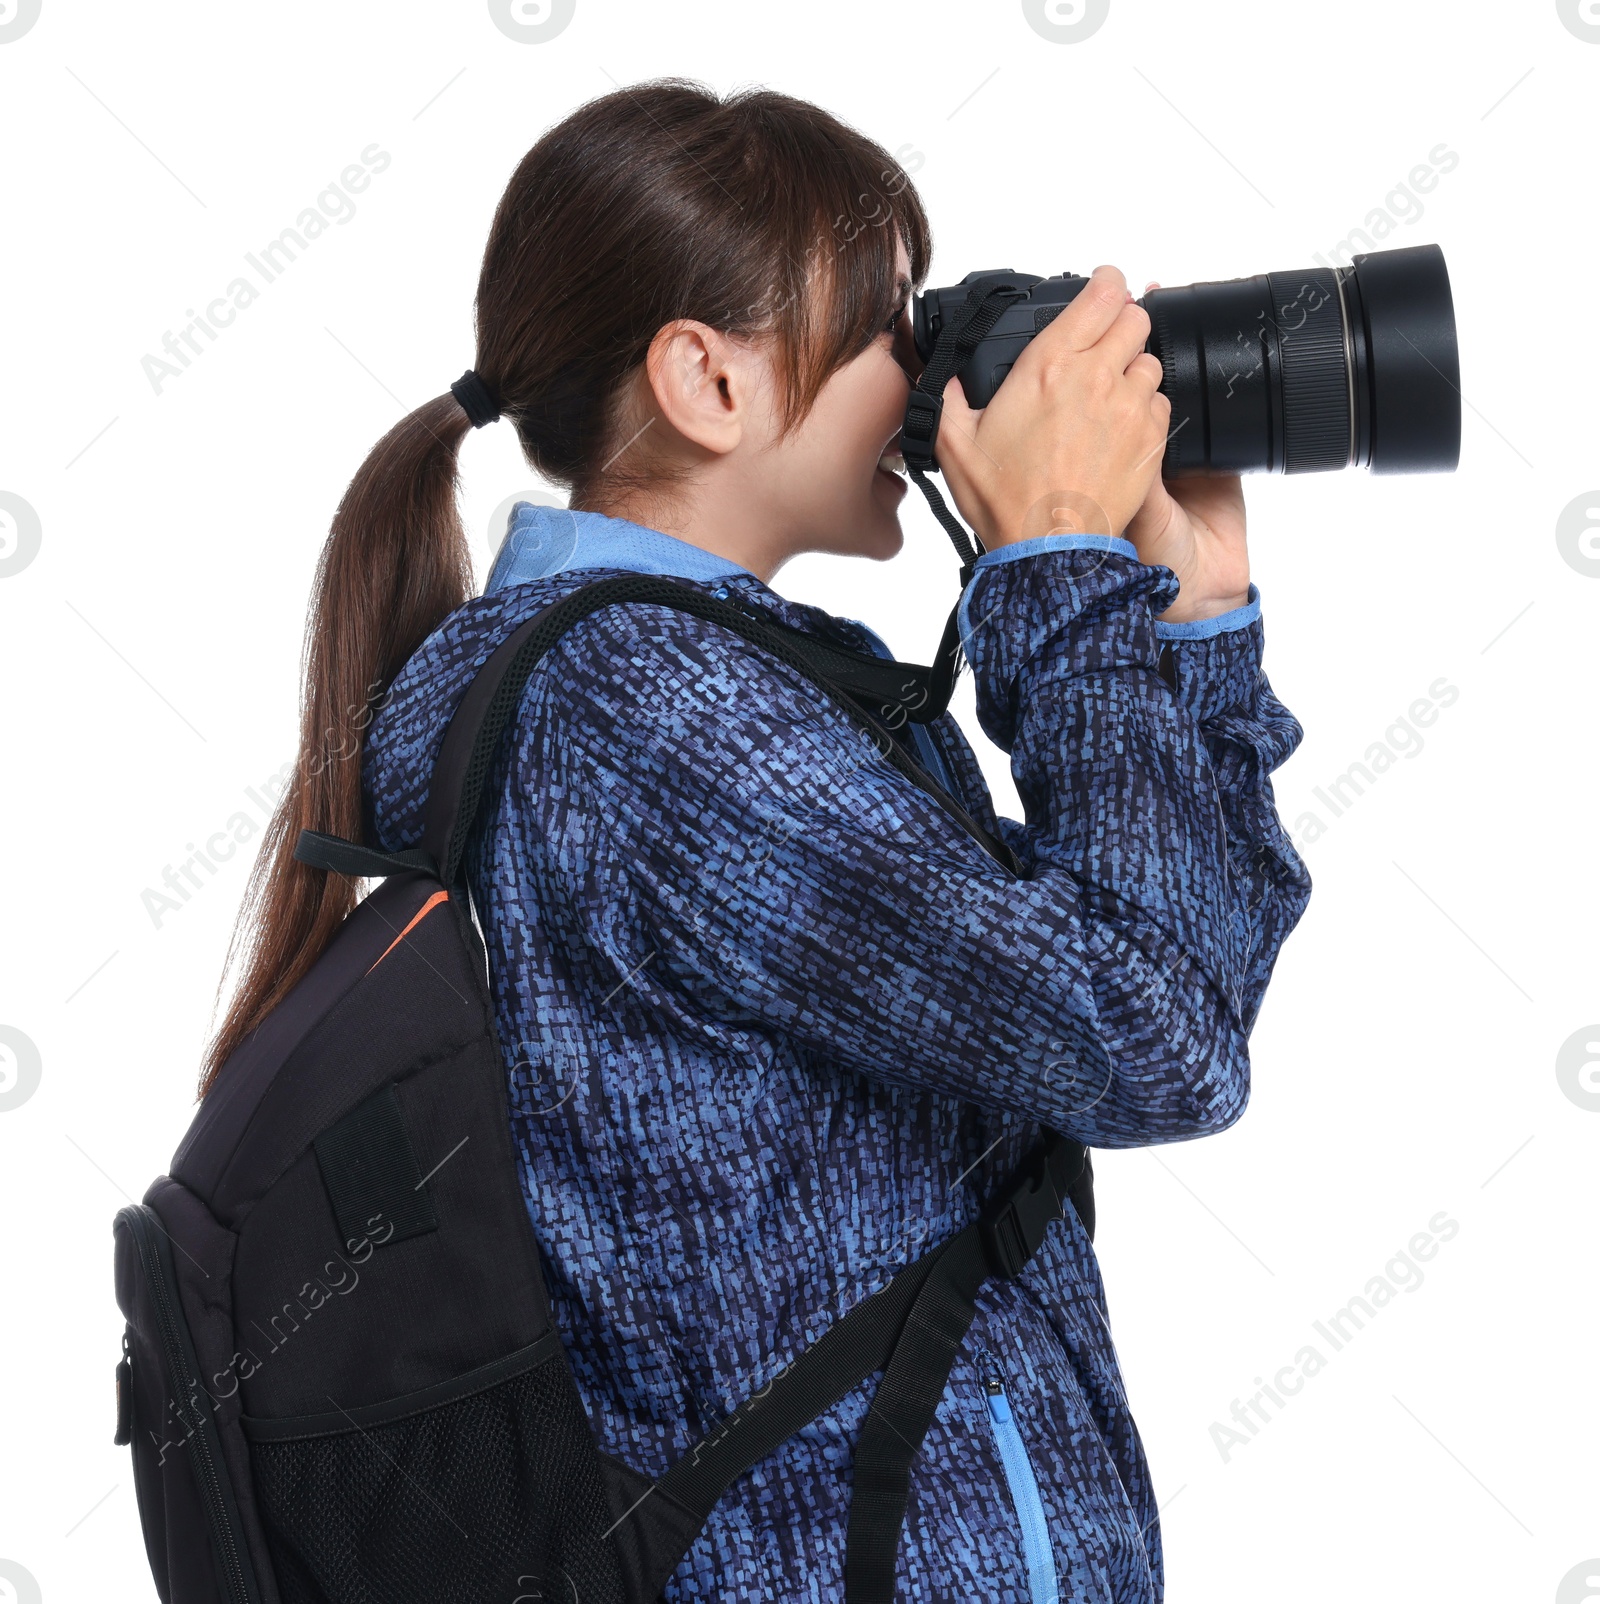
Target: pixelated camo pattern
775 1025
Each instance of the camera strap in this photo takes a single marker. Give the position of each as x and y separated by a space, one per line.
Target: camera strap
959 336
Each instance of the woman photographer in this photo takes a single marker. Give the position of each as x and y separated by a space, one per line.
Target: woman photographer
775 1023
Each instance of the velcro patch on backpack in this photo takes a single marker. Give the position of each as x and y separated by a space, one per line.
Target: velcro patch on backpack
371 1174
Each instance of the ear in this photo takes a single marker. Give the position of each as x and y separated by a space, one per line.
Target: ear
704 382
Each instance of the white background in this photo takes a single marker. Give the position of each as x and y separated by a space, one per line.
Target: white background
1405 1060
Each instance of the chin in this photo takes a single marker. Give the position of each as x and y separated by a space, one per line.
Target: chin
878 542
881 536
871 530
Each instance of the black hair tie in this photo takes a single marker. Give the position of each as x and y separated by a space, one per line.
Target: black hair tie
476 399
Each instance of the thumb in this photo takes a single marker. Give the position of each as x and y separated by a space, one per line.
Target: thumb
1151 523
958 427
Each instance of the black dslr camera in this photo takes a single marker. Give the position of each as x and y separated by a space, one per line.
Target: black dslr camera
1294 372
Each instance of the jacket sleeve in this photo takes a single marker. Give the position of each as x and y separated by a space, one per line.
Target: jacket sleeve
761 865
1247 732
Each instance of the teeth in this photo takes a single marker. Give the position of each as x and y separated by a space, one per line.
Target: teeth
892 462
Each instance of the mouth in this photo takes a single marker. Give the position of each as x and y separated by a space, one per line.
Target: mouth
891 461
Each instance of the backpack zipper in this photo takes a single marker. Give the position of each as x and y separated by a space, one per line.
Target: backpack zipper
1042 1587
190 1411
124 1434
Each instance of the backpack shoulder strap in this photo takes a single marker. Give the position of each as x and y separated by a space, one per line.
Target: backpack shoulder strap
910 1330
874 693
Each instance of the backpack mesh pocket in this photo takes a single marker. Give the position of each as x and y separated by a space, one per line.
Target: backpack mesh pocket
493 1493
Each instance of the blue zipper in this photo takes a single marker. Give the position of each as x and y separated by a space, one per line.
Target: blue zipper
1024 1487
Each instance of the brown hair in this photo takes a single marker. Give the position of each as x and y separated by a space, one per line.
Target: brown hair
757 214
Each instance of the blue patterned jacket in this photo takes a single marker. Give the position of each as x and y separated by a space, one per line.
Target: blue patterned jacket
774 1025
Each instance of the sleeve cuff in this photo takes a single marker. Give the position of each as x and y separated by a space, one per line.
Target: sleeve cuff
1205 628
1217 661
1085 605
1037 546
1039 543
1197 629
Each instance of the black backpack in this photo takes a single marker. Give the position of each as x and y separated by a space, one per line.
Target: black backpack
340 1379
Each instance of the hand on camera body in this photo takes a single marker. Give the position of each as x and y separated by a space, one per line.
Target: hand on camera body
1072 443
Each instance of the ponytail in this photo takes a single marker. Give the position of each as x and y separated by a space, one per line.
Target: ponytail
394 566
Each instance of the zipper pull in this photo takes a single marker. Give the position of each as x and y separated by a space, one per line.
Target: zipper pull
994 1385
124 1395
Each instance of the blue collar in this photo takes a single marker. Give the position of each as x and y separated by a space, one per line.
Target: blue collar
541 541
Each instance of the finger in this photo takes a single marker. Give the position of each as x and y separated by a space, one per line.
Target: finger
1147 371
954 406
1127 336
958 425
1092 311
1152 285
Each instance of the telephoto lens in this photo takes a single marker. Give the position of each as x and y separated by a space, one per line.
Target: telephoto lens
1295 372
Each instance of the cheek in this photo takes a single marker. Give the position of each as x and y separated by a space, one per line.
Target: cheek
878 395
891 403
860 408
